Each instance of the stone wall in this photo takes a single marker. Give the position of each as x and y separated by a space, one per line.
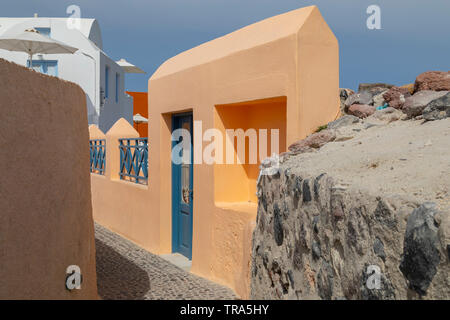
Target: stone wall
46 220
316 239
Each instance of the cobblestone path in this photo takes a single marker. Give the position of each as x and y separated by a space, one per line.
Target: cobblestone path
128 272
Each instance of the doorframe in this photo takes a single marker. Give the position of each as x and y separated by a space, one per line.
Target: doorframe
175 225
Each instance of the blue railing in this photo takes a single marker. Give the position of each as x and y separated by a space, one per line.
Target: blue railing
134 160
97 152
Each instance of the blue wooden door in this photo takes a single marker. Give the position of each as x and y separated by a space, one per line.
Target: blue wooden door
182 189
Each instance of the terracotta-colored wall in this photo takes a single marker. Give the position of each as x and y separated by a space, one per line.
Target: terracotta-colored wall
140 105
281 72
46 220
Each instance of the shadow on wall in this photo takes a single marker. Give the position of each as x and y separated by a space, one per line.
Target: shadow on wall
91 112
112 112
118 277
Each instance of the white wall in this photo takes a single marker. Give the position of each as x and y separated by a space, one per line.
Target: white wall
86 67
111 110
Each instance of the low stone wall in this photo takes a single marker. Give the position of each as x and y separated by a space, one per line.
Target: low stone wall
46 220
316 239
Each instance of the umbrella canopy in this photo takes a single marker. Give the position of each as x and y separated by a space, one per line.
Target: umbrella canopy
137 118
128 67
31 42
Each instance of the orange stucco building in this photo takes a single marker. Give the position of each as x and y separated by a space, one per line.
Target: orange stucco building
281 73
140 106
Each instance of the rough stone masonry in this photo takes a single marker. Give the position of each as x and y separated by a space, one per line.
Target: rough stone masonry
318 239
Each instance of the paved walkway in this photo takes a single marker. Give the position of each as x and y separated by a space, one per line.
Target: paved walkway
128 272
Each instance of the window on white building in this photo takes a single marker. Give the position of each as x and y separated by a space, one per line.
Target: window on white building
106 82
49 67
117 87
44 31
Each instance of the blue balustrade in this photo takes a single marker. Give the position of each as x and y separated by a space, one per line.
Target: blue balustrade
98 154
134 160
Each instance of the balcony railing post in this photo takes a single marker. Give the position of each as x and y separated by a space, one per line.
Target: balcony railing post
134 159
97 150
121 129
97 154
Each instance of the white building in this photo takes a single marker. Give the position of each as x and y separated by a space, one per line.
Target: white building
101 78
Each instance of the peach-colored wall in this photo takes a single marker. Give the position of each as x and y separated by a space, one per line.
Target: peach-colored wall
295 56
46 220
120 205
284 69
237 183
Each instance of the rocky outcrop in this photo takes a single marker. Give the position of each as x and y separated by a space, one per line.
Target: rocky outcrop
437 109
368 94
364 98
411 98
396 97
415 104
343 96
374 87
433 80
314 141
344 129
421 254
378 100
409 87
343 121
317 238
361 110
388 115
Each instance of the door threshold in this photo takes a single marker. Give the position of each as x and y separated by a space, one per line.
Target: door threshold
178 260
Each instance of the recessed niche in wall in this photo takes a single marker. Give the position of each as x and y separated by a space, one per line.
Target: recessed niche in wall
237 182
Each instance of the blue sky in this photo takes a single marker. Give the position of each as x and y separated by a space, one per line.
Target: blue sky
414 37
